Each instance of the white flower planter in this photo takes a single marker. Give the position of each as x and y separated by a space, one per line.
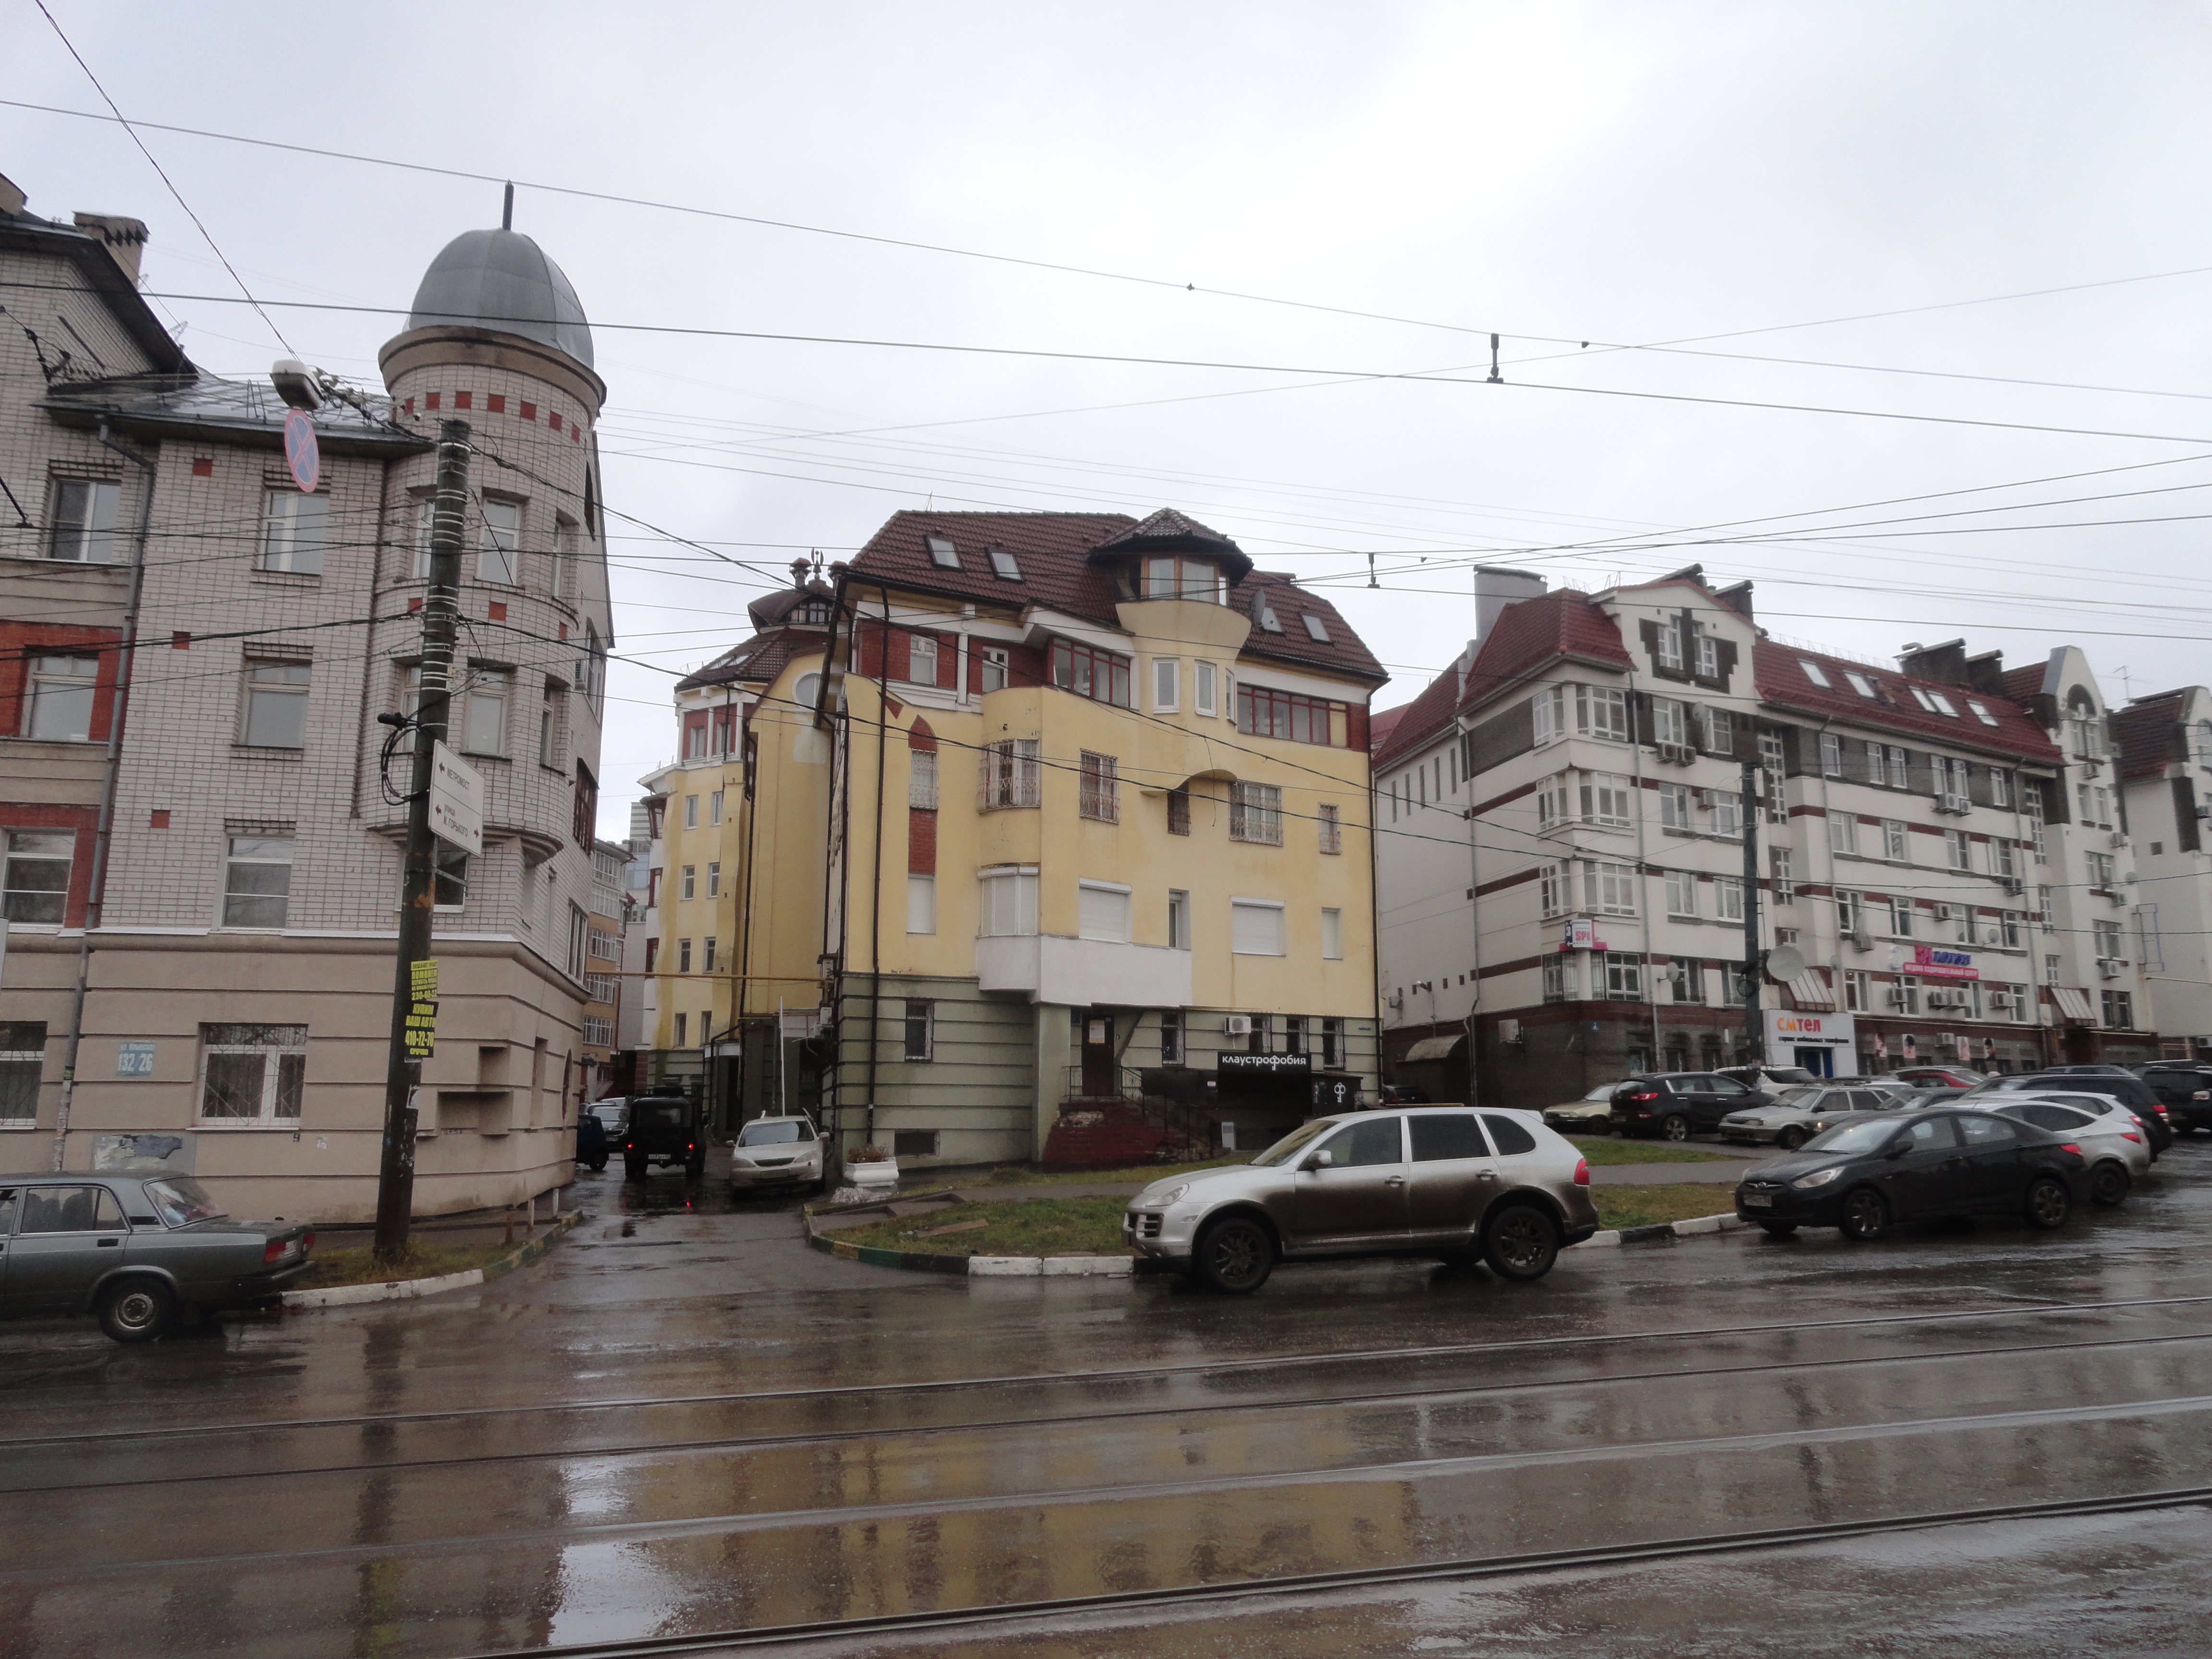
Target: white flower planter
882 1173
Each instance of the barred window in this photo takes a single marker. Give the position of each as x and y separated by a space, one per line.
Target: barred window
922 779
1008 775
22 1061
252 1072
1100 788
1255 813
1331 830
1178 812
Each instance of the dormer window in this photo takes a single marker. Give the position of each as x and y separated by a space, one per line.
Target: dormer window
1708 661
1862 685
942 554
814 613
1176 577
1316 630
1003 565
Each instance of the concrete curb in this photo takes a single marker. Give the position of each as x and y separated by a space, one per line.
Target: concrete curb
401 1290
1690 1229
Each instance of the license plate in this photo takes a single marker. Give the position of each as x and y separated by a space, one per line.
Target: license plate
1757 1201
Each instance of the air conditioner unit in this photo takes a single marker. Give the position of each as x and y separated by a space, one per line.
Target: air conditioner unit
2204 810
2013 885
1946 912
1680 754
1944 999
2119 838
1947 803
1896 996
1862 940
1241 1024
1509 1030
2109 966
2092 768
2000 1002
2119 898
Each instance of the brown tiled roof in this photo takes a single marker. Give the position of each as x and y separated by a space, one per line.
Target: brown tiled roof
2021 684
759 659
1380 726
1420 721
1051 549
1781 681
2145 730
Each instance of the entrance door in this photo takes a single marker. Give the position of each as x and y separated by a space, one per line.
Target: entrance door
1821 1062
1095 1032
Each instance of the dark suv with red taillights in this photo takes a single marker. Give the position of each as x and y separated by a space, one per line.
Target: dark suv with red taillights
1675 1105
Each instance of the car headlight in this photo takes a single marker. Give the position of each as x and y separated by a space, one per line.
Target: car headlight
1818 1178
1162 1201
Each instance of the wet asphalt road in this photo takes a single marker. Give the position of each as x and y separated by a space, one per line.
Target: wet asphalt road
683 1420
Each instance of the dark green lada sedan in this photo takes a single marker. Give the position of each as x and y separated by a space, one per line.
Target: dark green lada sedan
139 1251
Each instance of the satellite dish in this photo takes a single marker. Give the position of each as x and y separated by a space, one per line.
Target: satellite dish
1784 962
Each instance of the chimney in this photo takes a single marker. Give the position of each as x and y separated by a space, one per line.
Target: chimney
798 569
1495 588
125 239
11 198
1946 662
1736 599
1985 673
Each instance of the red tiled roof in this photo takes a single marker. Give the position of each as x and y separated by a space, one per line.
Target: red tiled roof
2145 730
759 659
2021 684
1051 549
1421 720
1380 726
1780 680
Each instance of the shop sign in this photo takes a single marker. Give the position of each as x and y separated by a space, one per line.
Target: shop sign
1270 1064
1582 935
1933 961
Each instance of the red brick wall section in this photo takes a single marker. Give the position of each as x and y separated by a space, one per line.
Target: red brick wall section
85 820
21 642
920 739
873 664
1355 726
920 840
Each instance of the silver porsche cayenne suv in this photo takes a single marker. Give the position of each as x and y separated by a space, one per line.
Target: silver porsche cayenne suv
1437 1181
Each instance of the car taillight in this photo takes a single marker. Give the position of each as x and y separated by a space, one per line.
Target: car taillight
307 1241
2129 1134
1649 1094
272 1251
1581 1172
2070 1147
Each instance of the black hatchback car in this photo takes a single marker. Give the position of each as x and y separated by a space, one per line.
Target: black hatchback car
1675 1105
1866 1175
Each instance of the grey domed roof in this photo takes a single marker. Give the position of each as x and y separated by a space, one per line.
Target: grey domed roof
500 279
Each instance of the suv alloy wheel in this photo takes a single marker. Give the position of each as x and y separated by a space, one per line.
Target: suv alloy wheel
1235 1255
1674 1127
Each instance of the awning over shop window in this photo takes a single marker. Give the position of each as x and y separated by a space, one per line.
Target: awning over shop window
1812 992
2073 1001
1436 1048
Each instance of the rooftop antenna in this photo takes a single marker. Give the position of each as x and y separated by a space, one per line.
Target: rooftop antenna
507 208
1371 582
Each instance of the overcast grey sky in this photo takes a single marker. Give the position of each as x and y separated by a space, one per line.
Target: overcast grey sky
1623 174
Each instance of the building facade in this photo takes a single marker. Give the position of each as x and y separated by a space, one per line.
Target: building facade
1564 824
2164 745
234 924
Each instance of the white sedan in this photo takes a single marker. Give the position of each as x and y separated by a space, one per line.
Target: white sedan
776 1151
1591 1114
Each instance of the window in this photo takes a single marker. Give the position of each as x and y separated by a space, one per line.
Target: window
1682 893
1552 794
2101 868
1727 809
1255 928
1332 935
1943 705
499 542
1778 867
683 1029
1178 812
580 928
1605 800
37 874
1848 913
715 809
1900 768
1003 565
921 780
1858 992
1008 775
1546 712
1316 630
2120 1010
2012 930
1172 1036
1814 673
920 659
276 704
449 878
1167 682
1202 675
592 671
1331 828
1667 648
709 951
1951 777
22 1061
1717 731
1331 1042
599 1029
1674 806
921 1032
992 670
689 888
1556 988
1555 887
426 514
1007 902
1101 790
483 712
1861 683
1896 841
294 531
2034 804
2043 910
1609 888
1624 977
1955 852
58 707
1265 713
253 1073
549 727
1832 755
1728 897
1178 919
1167 578
1900 917
2005 860
1101 911
690 811
1601 711
1668 724
683 955
1732 986
1873 753
1255 813
2000 786
942 554
564 556
83 522
1089 672
2107 935
257 881
1842 833
1707 663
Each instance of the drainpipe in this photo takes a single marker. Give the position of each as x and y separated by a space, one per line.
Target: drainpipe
875 898
111 774
1643 875
1374 903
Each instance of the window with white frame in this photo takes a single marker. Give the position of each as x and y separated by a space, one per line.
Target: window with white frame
1101 911
1675 806
1778 867
484 711
252 1072
1553 887
714 807
1624 977
1832 755
2000 786
1008 775
1330 826
1843 832
1900 917
689 887
1670 723
1100 794
1203 676
426 518
57 703
1552 796
1178 919
257 881
82 523
1548 713
1874 752
1602 711
1605 800
1814 672
1896 840
1716 730
1725 807
22 1064
1255 813
1732 985
1900 768
1255 928
2034 802
1556 976
2005 857
1858 989
1609 889
2107 937
1167 684
598 1031
580 931
1666 646
294 532
1007 901
920 659
1706 663
921 904
276 704
994 667
1728 897
499 544
1684 980
1682 893
1849 912
38 875
2043 914
1331 934
549 725
2012 930
2101 868
682 1023
710 953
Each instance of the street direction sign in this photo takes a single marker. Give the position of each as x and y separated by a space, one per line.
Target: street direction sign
301 453
456 800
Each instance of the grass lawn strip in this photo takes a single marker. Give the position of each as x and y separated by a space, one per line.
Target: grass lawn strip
422 1261
1601 1149
1641 1206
